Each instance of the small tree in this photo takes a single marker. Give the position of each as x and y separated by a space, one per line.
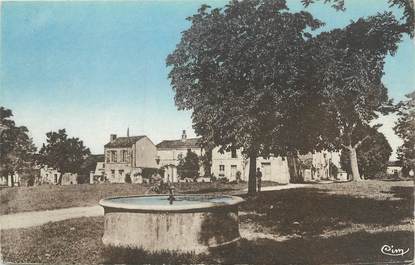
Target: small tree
63 153
372 155
189 165
405 128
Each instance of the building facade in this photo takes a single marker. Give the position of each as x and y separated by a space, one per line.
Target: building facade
49 175
233 165
170 152
322 165
125 157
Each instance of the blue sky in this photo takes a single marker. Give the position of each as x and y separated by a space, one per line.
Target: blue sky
96 68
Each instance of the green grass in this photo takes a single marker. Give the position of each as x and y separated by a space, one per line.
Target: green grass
48 197
324 223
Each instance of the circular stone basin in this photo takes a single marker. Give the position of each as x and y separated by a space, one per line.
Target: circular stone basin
192 223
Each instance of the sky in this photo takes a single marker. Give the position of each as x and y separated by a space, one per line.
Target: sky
97 68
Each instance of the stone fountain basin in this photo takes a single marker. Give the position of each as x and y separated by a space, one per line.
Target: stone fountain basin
193 223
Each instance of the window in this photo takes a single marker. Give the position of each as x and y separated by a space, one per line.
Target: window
221 167
120 172
180 156
114 156
124 156
234 153
108 157
112 172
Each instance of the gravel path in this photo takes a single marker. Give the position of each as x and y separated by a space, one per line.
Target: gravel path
29 219
283 187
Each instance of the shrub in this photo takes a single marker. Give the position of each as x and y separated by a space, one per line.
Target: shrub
127 178
147 172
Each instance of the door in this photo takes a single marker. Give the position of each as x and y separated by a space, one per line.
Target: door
266 171
233 172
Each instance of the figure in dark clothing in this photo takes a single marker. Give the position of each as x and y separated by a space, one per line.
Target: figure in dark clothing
258 178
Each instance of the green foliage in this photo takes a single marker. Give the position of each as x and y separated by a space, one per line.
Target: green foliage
63 153
372 155
405 128
239 70
127 178
148 172
346 69
235 68
16 147
189 166
256 79
89 164
408 24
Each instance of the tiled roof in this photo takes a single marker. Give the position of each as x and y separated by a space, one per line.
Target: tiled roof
124 141
173 144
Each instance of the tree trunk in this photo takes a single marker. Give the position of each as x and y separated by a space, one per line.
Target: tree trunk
252 174
208 163
292 168
353 164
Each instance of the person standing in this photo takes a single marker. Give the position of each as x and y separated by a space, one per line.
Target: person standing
258 178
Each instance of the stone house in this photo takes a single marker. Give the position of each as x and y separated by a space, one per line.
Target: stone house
127 156
49 175
69 178
170 152
98 175
319 166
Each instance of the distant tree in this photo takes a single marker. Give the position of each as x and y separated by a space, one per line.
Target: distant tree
346 69
63 153
16 147
405 128
238 69
189 165
372 155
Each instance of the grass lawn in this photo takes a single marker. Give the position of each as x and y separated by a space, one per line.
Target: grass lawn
324 223
48 197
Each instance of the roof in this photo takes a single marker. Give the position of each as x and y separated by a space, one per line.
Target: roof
124 141
174 144
98 158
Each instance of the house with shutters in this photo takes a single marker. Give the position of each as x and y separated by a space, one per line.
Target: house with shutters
127 156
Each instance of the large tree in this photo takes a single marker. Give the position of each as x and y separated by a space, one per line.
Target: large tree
372 155
405 128
238 69
63 153
347 69
16 147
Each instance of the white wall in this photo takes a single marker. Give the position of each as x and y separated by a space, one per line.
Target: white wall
275 166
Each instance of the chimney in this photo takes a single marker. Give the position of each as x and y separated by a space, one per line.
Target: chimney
184 136
113 137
